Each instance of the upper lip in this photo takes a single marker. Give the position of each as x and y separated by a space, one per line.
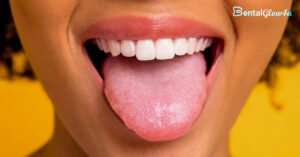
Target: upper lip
137 28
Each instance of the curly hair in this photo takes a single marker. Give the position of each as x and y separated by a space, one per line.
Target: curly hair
10 45
287 53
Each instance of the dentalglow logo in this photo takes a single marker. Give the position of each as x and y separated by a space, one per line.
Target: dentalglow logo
238 11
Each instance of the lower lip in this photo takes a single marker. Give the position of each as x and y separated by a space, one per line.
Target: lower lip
137 28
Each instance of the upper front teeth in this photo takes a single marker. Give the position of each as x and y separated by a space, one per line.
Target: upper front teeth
160 49
164 49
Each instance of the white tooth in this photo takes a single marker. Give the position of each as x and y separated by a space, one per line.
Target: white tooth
205 44
127 48
99 44
199 44
114 47
145 50
180 46
164 49
104 46
192 44
209 42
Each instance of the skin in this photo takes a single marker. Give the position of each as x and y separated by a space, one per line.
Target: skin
50 33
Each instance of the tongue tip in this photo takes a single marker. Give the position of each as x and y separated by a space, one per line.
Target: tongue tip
172 122
162 134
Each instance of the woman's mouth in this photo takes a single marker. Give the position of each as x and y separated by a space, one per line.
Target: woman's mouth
156 72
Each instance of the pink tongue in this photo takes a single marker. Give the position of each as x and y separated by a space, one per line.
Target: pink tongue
158 100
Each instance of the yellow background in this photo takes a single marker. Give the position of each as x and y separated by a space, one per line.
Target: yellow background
26 119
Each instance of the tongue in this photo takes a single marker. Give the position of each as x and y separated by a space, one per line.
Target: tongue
158 100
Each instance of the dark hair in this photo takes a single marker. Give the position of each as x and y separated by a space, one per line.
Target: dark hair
287 53
10 45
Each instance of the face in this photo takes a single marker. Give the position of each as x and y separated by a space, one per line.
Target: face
149 102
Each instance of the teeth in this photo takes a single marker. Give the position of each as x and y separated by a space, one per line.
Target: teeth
145 50
199 45
127 48
99 44
209 43
192 45
114 47
104 45
160 49
180 46
164 49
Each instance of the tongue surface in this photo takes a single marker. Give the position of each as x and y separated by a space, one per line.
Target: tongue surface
158 100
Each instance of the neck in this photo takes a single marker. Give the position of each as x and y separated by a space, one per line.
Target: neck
62 144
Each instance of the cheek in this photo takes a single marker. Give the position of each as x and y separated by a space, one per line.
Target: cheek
260 29
258 37
256 41
49 7
42 26
269 29
42 15
259 4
